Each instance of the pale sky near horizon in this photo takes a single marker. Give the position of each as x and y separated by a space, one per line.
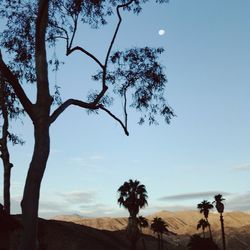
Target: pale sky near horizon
204 151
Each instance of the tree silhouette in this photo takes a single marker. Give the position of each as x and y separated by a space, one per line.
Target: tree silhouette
32 27
203 224
142 223
159 226
9 110
204 208
198 243
220 208
132 196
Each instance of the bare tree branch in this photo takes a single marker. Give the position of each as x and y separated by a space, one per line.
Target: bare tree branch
125 108
66 33
85 52
104 86
116 118
116 30
69 102
75 20
13 81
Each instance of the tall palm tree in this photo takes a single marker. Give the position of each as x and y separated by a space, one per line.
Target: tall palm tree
204 208
203 224
159 226
132 196
220 208
142 223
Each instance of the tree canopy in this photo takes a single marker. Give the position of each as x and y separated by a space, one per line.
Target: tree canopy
32 28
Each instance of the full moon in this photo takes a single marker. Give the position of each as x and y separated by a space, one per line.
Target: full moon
161 32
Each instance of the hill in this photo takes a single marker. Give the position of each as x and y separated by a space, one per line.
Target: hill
77 233
183 223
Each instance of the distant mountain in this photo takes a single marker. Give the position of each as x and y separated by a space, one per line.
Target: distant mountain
76 233
183 223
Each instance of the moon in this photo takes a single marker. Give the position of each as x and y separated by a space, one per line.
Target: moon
161 32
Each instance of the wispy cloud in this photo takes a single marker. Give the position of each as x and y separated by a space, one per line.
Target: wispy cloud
190 196
239 202
78 161
96 157
100 210
78 197
52 206
242 167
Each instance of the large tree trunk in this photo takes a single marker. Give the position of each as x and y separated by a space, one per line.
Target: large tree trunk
4 149
30 202
223 232
40 117
7 174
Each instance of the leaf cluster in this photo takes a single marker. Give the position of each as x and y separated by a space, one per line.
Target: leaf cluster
133 196
139 72
159 226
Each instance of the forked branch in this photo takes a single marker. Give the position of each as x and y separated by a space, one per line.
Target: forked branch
68 103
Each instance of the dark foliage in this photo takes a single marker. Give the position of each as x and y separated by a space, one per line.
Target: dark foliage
198 243
136 71
132 196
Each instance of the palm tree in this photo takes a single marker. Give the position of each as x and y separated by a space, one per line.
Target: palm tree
202 224
159 226
220 208
204 208
142 223
132 196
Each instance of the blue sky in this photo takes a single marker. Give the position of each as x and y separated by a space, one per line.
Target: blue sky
205 149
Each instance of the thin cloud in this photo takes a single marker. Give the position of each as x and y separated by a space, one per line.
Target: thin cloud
96 157
240 202
243 167
100 210
78 197
51 206
190 196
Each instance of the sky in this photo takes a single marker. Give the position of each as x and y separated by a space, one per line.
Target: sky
204 151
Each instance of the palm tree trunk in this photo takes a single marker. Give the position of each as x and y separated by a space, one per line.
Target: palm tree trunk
210 232
133 231
143 241
143 244
223 232
159 242
203 232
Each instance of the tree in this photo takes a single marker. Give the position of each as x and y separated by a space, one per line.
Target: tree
133 197
142 223
9 110
220 208
159 226
198 243
204 208
32 27
203 224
